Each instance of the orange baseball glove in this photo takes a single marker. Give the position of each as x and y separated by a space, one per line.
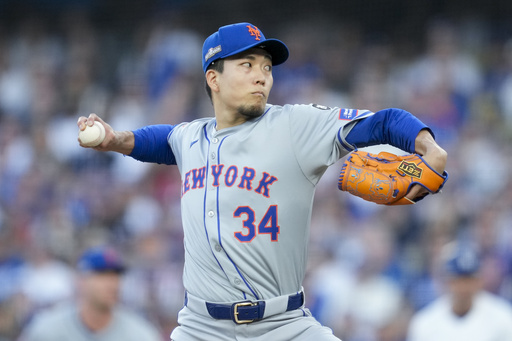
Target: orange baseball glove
386 178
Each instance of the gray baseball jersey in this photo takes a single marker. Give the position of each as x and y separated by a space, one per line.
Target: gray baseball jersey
62 323
247 197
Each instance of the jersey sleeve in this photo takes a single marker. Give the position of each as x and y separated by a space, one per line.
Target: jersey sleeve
318 136
151 144
395 127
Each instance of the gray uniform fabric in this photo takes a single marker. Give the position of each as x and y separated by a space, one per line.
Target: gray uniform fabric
247 196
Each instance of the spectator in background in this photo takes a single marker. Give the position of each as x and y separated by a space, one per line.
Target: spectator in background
45 280
96 314
442 81
466 312
353 294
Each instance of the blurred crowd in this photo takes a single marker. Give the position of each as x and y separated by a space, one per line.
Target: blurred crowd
370 267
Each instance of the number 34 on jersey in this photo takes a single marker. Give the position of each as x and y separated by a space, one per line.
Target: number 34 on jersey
244 179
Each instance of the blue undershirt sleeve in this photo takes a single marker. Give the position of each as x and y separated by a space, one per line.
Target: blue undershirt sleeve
396 127
151 144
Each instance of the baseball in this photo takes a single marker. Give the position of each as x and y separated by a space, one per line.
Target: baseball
93 135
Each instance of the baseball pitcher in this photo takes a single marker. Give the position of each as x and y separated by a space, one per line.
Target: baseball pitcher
248 178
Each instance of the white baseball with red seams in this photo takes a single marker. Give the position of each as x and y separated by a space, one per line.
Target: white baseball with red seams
92 136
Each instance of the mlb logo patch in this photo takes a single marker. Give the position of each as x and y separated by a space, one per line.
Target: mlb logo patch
350 114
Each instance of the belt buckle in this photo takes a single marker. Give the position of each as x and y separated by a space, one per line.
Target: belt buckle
235 311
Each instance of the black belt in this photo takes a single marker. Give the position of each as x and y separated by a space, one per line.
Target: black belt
247 311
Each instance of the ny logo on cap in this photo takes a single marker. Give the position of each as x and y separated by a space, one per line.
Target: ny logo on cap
254 31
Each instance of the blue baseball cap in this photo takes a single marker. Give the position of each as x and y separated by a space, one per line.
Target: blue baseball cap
101 259
463 261
232 39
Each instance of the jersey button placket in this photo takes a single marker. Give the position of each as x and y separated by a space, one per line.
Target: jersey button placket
213 156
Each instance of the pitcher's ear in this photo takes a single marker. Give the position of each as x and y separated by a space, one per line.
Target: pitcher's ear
211 80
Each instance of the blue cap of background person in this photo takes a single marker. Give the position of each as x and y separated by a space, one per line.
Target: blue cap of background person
232 39
101 259
463 261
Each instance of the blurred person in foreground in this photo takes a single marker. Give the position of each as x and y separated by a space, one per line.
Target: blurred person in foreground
96 313
466 312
